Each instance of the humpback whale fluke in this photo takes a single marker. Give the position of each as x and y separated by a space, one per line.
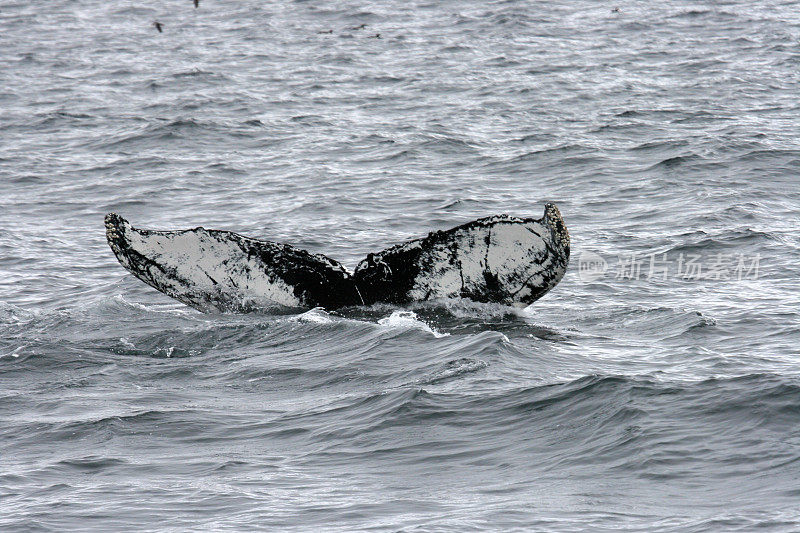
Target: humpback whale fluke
500 259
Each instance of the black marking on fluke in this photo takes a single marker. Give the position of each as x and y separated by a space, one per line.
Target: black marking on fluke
500 259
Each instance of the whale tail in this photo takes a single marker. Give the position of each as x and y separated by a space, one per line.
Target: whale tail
500 259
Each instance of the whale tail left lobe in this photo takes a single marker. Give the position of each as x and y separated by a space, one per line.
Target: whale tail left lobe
211 269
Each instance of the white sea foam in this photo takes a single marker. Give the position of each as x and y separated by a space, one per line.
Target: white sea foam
317 316
402 319
14 353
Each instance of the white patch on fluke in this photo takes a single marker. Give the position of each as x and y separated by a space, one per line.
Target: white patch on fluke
206 264
504 250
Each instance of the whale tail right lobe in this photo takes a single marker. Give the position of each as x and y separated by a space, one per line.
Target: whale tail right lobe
500 259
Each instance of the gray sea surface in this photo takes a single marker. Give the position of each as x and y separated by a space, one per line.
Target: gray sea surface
657 388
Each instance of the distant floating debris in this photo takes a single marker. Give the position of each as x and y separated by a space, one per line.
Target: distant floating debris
615 10
158 26
354 28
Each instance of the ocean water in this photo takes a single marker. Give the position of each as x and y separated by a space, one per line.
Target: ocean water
657 388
